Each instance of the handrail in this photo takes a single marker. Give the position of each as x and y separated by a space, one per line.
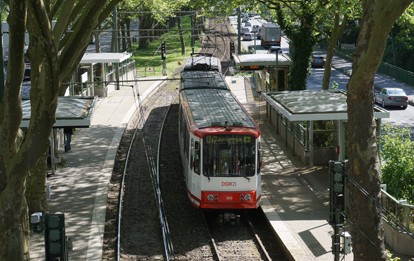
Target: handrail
400 210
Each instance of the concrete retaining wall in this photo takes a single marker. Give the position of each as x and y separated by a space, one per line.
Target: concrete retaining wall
399 242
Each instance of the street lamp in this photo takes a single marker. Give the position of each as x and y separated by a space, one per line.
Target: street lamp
277 50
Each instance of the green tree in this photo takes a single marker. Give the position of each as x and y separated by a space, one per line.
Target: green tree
333 21
154 15
378 16
299 20
307 23
54 53
397 169
399 51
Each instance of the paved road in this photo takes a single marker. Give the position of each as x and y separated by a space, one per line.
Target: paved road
340 71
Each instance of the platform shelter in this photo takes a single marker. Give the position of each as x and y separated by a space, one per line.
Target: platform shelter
97 70
265 66
313 123
72 111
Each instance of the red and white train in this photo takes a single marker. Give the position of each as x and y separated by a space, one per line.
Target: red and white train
219 140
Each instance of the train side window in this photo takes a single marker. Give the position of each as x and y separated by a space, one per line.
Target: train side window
195 156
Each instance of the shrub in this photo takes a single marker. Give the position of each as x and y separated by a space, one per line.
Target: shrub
396 152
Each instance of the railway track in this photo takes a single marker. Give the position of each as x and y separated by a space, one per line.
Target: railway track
218 41
235 240
144 234
136 169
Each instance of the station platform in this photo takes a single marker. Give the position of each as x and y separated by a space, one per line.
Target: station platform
295 196
79 189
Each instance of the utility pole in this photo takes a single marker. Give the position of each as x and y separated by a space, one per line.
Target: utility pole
192 31
277 68
1 55
238 30
164 57
116 45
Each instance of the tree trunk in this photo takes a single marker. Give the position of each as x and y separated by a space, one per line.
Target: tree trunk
145 36
364 212
14 225
128 34
333 39
49 65
36 187
302 41
180 32
14 229
122 32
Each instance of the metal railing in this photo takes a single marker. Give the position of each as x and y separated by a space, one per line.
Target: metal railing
390 70
149 71
399 212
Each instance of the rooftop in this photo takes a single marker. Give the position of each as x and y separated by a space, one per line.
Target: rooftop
314 105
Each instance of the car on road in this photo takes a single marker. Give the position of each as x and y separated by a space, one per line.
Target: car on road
392 97
318 61
244 30
247 37
254 30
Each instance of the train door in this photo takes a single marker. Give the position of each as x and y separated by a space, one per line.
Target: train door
258 169
195 167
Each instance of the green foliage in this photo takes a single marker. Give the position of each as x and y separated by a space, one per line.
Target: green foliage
323 133
298 27
151 56
390 256
400 46
334 85
397 150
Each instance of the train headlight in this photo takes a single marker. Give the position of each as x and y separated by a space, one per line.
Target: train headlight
210 197
246 197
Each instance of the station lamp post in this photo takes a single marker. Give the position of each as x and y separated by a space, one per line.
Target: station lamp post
277 49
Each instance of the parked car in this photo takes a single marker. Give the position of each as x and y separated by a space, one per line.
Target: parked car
247 24
392 97
247 37
254 30
244 30
318 61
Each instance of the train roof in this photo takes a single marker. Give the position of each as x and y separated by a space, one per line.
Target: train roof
212 108
202 62
203 79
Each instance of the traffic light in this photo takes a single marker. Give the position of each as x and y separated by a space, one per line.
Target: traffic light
231 49
163 53
337 191
55 239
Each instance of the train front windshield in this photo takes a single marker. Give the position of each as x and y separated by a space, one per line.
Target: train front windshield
229 155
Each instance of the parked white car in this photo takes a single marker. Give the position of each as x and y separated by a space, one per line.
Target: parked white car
392 97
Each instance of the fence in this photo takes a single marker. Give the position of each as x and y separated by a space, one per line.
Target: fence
398 211
101 85
149 71
385 68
